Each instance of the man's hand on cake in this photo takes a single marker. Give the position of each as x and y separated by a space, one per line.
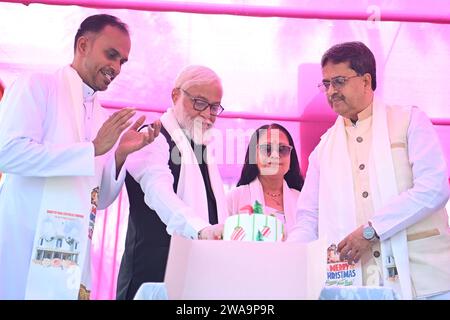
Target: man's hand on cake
213 232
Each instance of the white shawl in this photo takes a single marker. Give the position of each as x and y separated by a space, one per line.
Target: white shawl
191 188
337 217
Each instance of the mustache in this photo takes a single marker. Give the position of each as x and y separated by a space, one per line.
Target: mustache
336 96
200 122
110 73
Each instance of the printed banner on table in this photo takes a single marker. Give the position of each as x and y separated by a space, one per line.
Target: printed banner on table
57 256
340 272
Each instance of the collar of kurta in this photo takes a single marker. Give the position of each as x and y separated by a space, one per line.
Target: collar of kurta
363 115
88 93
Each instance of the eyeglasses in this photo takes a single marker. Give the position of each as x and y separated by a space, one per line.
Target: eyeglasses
337 82
201 104
267 149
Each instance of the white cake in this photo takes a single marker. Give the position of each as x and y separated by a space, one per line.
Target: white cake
253 227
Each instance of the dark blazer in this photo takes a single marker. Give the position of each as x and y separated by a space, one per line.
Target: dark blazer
147 242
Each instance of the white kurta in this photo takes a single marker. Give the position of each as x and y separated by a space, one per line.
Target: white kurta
327 208
429 193
38 143
249 193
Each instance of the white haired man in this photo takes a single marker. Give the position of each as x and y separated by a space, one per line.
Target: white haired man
176 177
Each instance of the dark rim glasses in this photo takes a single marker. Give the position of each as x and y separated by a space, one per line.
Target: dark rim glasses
200 104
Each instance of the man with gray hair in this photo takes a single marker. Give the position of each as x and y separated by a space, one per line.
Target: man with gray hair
173 185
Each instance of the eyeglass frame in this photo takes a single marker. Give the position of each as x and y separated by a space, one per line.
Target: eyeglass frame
210 105
324 86
281 154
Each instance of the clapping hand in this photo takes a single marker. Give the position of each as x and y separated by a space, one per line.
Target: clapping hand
111 130
133 140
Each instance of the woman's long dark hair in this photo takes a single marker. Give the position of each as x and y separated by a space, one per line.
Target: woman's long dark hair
250 169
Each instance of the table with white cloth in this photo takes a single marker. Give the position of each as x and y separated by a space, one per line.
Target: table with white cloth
152 291
357 293
157 291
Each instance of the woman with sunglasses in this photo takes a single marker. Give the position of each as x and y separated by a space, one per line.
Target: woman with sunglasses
271 175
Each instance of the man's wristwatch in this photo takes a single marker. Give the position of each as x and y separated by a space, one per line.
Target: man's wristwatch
369 232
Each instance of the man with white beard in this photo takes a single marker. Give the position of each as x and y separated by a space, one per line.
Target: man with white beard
173 185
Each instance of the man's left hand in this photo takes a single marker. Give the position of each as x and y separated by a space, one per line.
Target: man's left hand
133 140
353 246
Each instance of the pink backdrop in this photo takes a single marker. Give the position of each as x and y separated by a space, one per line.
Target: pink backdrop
269 66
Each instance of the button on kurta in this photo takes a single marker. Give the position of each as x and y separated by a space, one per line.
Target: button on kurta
376 253
359 139
365 194
361 167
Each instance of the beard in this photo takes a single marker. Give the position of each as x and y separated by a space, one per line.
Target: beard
196 129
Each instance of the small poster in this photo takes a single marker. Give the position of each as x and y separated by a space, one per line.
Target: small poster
340 272
57 256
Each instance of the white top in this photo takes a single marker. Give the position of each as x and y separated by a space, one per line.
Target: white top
249 193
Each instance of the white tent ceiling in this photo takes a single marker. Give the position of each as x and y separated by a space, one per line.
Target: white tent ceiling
258 58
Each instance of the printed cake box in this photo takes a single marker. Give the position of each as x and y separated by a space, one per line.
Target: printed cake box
215 269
